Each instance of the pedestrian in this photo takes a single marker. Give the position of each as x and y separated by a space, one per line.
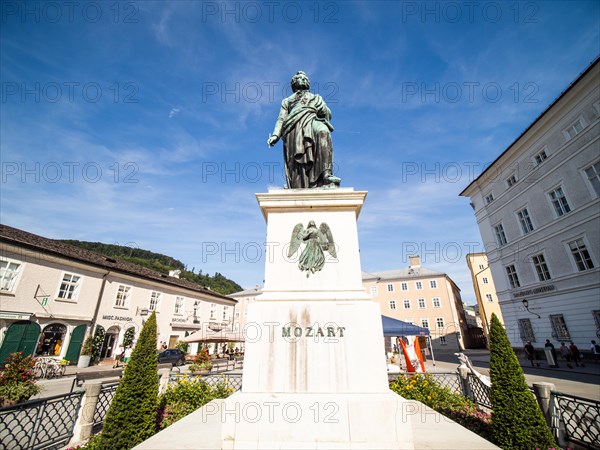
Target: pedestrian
128 352
552 352
595 348
164 346
120 356
575 354
530 352
565 354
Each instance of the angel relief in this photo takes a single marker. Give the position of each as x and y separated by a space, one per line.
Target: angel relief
317 240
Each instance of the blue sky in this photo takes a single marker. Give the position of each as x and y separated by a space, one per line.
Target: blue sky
145 123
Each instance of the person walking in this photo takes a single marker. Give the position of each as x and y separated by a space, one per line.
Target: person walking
595 348
565 354
549 345
530 352
575 355
128 352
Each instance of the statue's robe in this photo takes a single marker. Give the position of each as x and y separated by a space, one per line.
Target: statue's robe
303 125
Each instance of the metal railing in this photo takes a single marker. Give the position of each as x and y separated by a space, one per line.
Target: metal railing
481 392
578 418
107 392
232 380
46 423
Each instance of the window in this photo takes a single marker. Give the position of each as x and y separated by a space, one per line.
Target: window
404 286
178 305
406 304
392 304
540 267
511 181
432 284
559 327
481 267
541 156
526 330
593 176
500 236
525 220
443 340
155 301
374 291
596 314
436 302
213 309
122 300
237 314
485 280
489 199
489 298
225 310
439 321
574 129
581 255
8 274
421 302
513 278
425 323
390 287
409 320
419 285
69 287
559 201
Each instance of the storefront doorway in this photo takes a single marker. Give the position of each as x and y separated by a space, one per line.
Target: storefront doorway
51 341
110 342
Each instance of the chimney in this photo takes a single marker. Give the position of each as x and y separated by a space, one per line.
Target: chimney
414 261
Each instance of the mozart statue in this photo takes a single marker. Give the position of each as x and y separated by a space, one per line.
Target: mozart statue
303 125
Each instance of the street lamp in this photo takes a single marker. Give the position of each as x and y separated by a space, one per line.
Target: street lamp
526 306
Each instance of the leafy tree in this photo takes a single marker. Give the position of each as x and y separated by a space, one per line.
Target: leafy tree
517 420
131 418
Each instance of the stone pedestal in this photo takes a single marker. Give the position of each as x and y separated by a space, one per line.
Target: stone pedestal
314 369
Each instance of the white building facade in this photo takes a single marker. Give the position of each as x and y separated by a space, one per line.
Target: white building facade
538 211
53 294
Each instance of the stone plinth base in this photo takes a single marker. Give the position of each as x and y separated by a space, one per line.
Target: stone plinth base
311 421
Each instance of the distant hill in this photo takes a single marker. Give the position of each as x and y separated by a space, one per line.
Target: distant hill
160 263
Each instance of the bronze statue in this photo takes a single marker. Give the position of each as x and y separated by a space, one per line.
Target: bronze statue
312 258
304 126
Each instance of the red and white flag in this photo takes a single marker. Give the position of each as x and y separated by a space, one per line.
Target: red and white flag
412 354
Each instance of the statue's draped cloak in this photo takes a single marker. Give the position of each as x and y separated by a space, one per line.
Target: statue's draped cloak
304 126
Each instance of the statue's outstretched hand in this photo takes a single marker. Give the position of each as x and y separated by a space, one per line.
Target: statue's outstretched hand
272 140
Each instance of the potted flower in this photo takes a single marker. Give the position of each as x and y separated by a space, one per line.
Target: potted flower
86 352
17 382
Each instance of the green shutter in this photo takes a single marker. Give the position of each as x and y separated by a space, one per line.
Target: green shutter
21 336
75 344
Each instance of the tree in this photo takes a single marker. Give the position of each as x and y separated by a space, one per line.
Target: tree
517 420
131 418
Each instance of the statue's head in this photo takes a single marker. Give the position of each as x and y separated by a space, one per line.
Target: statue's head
312 224
300 82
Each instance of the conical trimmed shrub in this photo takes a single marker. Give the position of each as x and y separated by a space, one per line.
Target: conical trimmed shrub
131 418
517 420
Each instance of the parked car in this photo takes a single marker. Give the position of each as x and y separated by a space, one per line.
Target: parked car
173 356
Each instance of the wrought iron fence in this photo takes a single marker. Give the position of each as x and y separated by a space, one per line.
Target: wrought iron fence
450 380
232 380
107 392
45 423
579 417
481 392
